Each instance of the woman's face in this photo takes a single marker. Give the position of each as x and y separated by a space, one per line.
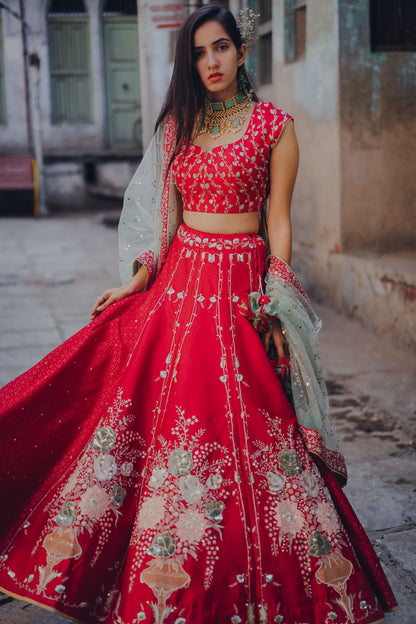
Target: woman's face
216 60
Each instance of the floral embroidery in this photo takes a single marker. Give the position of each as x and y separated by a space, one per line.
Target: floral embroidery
289 518
191 526
182 509
67 514
105 467
276 481
94 503
152 511
104 440
327 518
310 483
318 544
180 462
163 545
289 462
97 488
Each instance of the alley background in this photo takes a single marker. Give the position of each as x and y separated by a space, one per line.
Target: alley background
80 89
52 271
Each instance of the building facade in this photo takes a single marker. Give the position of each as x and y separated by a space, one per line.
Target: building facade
87 78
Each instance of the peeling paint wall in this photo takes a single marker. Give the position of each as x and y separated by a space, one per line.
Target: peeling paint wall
378 138
308 89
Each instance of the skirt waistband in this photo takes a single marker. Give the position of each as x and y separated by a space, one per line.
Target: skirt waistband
219 242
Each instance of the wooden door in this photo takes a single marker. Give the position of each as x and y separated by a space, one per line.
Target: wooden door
121 58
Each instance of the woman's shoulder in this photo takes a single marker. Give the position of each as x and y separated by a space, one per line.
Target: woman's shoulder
272 121
269 111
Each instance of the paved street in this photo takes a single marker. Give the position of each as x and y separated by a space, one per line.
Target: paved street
52 270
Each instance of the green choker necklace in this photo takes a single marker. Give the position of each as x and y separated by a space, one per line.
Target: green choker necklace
221 117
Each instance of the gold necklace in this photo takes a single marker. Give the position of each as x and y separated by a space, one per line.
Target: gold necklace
220 117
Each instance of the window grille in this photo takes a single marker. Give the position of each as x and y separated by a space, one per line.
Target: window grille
393 25
69 62
113 8
67 8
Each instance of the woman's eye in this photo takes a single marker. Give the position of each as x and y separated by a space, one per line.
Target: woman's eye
223 46
197 55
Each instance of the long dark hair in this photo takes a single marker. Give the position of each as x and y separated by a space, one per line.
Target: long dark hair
186 93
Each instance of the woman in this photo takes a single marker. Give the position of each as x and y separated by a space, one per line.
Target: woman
161 474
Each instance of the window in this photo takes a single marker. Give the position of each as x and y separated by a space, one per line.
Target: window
69 62
295 30
393 25
112 8
261 62
3 112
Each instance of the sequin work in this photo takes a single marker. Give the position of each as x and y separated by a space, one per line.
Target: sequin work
233 177
184 496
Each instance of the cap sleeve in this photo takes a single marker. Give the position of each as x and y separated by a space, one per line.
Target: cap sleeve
277 121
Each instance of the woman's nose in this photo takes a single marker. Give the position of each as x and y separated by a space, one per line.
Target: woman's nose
212 60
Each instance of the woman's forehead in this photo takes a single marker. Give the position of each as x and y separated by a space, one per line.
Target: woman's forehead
209 33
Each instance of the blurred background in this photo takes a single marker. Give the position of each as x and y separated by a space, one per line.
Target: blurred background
82 81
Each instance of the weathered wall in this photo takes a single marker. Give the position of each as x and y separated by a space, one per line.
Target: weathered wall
13 135
378 138
308 89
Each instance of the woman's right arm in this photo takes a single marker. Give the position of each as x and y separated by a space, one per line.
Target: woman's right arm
136 284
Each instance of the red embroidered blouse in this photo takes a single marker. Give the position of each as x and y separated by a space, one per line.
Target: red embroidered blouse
232 177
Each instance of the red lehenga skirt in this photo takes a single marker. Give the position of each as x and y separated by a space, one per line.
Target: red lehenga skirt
152 469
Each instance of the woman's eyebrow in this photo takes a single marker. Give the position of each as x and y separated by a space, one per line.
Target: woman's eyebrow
213 43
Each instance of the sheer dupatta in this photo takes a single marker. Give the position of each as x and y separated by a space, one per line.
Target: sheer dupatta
150 214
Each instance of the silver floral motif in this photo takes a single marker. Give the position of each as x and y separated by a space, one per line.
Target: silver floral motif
214 509
105 467
289 462
191 526
276 481
214 481
180 462
104 440
158 477
94 503
163 545
191 488
67 514
310 483
126 469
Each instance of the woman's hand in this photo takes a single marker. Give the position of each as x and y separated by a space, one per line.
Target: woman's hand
137 284
279 340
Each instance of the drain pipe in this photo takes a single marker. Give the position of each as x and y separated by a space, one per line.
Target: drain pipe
34 104
27 93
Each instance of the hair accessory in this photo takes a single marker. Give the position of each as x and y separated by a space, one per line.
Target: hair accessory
247 24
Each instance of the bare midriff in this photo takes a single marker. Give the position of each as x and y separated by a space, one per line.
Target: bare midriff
213 223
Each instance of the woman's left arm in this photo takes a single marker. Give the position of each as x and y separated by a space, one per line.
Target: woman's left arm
284 163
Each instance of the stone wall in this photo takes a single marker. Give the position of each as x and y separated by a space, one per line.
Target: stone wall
378 138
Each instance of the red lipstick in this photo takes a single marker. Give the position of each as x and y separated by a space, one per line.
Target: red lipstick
215 77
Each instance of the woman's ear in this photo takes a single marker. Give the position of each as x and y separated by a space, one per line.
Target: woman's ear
241 54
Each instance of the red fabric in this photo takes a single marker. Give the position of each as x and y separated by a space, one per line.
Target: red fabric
233 177
154 471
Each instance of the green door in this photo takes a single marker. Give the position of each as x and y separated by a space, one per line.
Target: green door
121 57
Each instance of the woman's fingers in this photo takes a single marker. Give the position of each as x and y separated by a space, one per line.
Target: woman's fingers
102 302
279 339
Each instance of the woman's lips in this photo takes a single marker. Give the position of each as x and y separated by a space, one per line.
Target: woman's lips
214 77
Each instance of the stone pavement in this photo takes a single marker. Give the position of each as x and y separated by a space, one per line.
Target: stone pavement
52 270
